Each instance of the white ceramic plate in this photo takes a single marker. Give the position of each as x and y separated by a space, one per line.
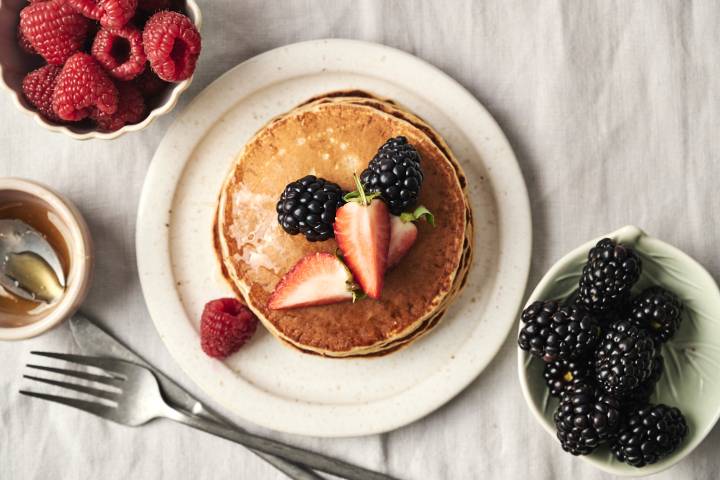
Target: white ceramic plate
270 384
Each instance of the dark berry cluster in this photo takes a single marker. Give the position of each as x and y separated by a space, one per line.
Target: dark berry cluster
562 374
658 311
625 359
602 354
308 206
609 274
648 434
585 418
552 331
640 396
395 173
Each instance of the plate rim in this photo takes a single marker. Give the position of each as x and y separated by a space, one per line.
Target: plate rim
153 252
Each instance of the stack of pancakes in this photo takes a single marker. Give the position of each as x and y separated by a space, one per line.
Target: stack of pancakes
332 137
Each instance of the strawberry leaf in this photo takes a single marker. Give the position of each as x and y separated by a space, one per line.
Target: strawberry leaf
359 195
420 212
358 295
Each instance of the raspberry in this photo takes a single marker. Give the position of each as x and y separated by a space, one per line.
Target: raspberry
172 44
38 87
83 86
110 13
153 5
116 13
120 51
225 326
149 84
24 43
131 109
54 29
88 8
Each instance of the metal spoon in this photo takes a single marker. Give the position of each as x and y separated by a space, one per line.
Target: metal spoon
29 265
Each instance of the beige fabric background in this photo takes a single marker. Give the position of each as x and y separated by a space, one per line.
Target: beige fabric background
613 109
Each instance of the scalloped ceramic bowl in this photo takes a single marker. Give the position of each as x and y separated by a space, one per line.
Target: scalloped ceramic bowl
691 380
14 64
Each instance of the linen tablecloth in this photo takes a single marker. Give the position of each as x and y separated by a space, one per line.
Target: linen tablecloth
613 109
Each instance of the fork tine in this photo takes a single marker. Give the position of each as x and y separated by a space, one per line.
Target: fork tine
114 381
103 363
91 407
78 388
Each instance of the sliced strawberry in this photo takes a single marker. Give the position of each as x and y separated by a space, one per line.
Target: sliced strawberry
402 237
317 279
403 233
362 231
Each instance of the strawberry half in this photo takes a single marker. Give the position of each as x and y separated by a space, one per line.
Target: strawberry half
362 231
403 233
317 279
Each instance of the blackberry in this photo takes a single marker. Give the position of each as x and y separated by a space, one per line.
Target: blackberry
586 418
657 310
641 395
553 332
607 277
624 359
395 172
606 317
308 206
649 434
610 317
562 374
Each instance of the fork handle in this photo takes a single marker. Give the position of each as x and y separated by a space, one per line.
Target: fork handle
295 472
297 455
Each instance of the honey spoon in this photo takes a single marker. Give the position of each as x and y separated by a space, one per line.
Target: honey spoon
29 265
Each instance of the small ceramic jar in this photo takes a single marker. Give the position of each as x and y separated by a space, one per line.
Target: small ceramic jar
46 207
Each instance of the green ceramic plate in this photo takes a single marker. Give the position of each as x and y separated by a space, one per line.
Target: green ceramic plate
692 358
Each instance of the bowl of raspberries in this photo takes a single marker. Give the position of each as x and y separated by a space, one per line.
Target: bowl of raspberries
619 353
98 68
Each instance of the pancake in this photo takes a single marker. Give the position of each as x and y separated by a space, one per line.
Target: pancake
395 344
332 138
389 343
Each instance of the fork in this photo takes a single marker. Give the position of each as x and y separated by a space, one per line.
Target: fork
135 400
